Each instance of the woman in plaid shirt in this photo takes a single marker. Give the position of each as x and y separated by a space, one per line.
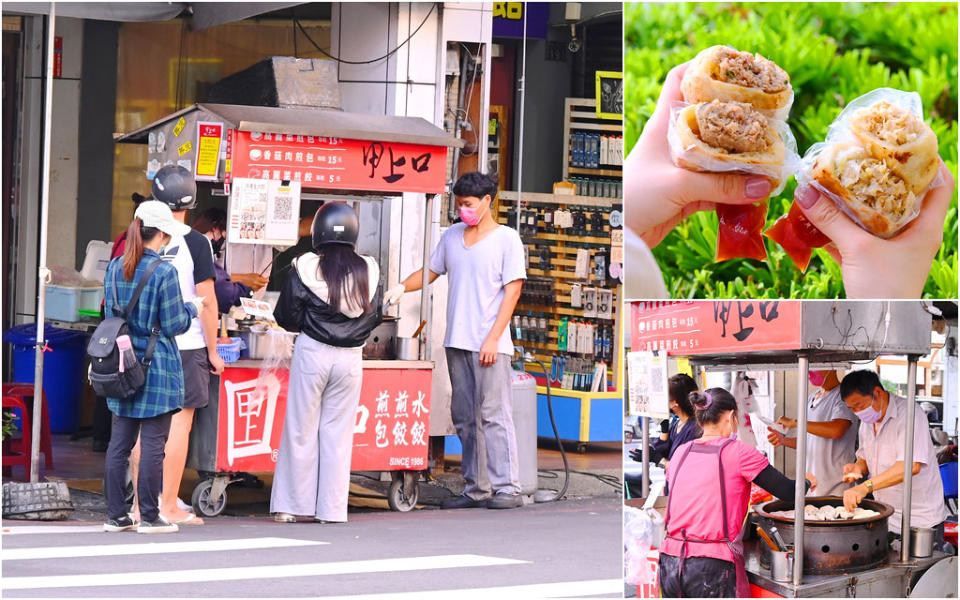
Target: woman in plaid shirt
148 412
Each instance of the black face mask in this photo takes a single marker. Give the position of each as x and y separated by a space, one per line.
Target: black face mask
217 245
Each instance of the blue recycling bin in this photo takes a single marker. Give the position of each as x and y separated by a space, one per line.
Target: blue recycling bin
63 366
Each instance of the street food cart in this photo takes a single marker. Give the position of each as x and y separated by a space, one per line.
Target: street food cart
366 160
845 559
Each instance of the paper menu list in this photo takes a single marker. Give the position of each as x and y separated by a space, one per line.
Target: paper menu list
263 211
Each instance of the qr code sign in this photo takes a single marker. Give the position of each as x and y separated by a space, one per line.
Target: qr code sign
283 208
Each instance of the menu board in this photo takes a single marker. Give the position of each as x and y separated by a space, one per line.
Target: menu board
648 390
336 163
687 328
264 212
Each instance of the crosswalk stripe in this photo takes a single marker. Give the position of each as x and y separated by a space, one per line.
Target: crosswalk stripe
153 548
565 589
420 563
38 529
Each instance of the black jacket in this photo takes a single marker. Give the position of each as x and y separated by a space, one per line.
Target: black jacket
299 309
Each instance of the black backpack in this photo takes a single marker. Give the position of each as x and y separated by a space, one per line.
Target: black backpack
105 375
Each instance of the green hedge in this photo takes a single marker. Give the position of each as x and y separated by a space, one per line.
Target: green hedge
833 52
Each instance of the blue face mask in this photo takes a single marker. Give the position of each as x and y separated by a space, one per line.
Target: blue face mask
733 433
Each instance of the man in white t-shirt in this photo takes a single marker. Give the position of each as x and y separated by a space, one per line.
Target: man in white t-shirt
881 454
192 255
486 267
831 434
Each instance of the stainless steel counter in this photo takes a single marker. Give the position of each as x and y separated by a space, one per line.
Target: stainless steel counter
891 580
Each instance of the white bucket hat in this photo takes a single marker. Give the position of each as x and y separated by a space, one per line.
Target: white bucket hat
156 214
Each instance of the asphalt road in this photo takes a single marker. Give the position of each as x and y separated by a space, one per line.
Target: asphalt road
568 548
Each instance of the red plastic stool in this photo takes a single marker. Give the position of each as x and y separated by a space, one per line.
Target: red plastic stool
22 456
25 392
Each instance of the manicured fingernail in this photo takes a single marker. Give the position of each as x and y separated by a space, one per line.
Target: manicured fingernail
757 187
806 196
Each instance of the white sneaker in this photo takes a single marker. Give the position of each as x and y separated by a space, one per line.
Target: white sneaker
180 504
161 525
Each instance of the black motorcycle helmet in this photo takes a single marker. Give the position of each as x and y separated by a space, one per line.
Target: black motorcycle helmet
334 223
174 186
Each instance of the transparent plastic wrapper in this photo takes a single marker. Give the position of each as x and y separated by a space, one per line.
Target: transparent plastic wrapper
642 531
724 73
741 226
66 276
776 162
278 355
877 164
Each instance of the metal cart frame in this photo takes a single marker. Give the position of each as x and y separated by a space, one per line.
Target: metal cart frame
906 330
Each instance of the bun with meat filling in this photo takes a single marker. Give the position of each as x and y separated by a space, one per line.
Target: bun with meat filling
723 73
877 197
878 163
901 139
728 136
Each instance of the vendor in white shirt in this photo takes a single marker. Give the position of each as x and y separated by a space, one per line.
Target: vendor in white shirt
831 434
882 429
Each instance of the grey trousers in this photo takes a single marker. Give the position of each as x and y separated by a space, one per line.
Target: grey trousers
312 476
482 411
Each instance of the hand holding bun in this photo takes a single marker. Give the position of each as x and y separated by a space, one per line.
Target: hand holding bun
732 121
878 161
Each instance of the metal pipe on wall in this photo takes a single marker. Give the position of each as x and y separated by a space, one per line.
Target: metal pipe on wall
425 307
523 96
43 273
800 490
908 457
644 450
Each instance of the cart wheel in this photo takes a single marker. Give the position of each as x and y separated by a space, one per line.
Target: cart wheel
202 503
402 498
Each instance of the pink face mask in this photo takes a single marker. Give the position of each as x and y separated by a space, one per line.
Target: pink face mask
816 378
470 216
869 414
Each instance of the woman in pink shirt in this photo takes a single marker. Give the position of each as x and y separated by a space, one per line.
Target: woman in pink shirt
702 555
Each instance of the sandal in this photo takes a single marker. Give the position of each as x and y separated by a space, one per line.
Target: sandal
283 517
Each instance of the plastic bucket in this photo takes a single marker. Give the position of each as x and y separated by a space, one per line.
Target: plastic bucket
63 376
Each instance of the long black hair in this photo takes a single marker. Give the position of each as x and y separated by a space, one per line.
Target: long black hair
680 386
346 273
137 235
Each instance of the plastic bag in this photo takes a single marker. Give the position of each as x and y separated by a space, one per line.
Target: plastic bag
66 276
279 352
797 236
740 234
640 535
912 164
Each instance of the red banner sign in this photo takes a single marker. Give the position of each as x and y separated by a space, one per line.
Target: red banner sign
57 57
390 434
715 327
337 163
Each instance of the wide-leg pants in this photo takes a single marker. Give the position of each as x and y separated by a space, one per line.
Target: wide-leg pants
482 410
313 466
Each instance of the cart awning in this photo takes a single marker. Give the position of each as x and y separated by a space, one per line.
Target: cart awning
742 334
301 121
202 14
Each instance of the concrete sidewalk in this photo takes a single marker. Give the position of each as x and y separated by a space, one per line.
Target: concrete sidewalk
597 472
